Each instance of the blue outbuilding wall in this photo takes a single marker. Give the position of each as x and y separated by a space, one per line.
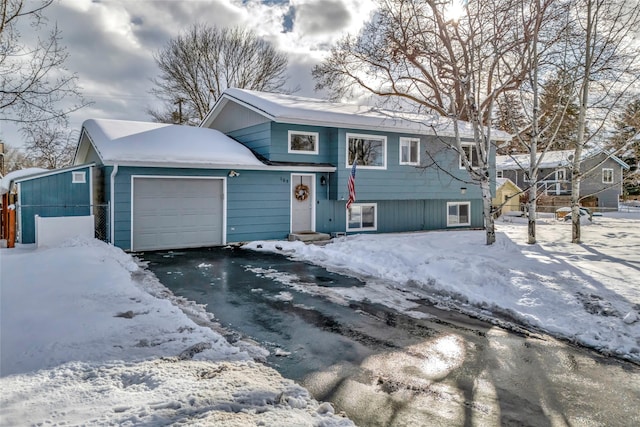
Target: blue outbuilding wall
52 194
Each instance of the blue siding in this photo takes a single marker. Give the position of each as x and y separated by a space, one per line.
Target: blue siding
396 216
404 182
257 138
52 196
327 144
258 202
396 182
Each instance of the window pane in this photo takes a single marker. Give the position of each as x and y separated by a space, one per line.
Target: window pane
369 151
414 151
355 217
301 142
368 217
475 162
463 214
453 214
405 153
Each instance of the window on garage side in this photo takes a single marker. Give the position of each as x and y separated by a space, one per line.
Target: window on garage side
409 151
370 150
607 176
78 177
458 214
303 142
362 217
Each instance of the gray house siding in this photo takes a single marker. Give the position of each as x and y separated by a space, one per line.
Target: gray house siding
607 194
52 195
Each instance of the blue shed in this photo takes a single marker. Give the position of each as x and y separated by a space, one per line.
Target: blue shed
56 193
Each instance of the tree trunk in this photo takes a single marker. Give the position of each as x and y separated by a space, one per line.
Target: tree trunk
489 222
576 176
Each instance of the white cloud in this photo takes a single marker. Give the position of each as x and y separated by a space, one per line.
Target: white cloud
111 43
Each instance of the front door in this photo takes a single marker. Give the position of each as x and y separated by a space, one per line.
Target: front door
302 203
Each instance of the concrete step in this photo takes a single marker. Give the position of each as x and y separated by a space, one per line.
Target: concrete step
308 236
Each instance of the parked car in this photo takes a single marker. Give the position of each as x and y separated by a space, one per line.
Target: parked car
565 213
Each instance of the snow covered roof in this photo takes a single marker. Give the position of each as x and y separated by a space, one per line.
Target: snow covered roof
312 111
551 159
146 143
5 182
502 181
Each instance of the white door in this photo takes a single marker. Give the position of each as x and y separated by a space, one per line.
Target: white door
302 203
172 213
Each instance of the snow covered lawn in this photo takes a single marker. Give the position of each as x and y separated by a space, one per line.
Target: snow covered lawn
588 293
89 337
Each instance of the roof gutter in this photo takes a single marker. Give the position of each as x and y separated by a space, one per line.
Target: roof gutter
112 204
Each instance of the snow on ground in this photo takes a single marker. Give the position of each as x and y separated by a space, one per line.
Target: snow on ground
89 337
587 293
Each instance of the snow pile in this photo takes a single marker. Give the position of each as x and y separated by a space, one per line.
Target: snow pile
583 293
89 337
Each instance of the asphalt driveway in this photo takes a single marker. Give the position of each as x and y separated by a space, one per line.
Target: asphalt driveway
384 368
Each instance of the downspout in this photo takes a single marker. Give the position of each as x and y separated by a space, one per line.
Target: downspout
112 209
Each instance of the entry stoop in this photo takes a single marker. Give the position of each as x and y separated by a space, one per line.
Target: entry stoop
308 236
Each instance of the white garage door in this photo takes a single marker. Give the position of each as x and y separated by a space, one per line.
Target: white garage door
171 213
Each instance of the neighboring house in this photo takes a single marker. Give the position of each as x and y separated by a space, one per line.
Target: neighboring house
602 185
265 166
507 196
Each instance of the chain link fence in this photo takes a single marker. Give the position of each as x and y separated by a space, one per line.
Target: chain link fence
101 213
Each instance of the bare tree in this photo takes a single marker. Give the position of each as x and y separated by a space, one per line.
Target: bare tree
14 159
49 145
33 79
198 65
457 68
606 67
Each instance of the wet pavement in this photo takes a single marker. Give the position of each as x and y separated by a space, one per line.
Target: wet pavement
383 368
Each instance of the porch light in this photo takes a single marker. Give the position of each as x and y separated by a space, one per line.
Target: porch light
463 190
233 174
323 180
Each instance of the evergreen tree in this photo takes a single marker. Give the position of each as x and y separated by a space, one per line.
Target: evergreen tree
511 119
626 142
559 113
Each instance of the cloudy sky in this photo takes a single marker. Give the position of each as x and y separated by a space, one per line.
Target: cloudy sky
111 43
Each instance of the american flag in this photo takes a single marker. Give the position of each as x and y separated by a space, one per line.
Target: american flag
351 185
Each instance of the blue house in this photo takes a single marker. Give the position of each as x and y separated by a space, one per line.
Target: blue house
266 166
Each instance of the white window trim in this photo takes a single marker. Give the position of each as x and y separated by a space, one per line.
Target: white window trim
499 174
383 138
299 132
78 177
564 174
375 217
473 147
408 140
458 204
603 172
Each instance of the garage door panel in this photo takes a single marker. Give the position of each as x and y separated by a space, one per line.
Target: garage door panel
177 213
